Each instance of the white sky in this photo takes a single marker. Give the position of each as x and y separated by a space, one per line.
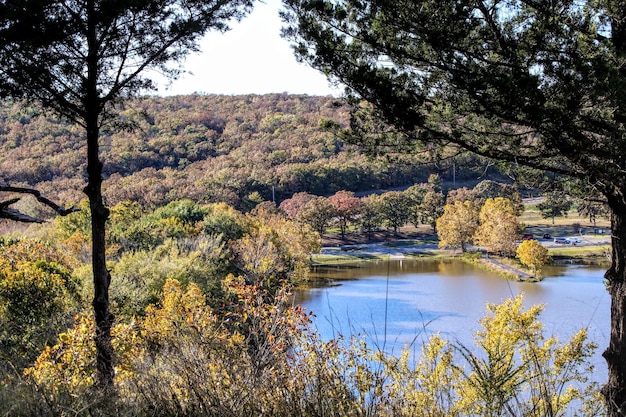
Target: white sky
249 58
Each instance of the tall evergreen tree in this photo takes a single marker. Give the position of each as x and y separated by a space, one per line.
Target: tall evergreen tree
537 83
81 59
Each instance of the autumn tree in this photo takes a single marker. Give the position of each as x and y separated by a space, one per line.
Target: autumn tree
274 251
538 84
432 208
346 209
532 253
38 293
461 194
498 228
554 204
81 59
457 225
317 213
492 189
416 194
294 205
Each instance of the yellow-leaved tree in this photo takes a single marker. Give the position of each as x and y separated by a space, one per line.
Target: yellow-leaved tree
457 225
498 226
533 254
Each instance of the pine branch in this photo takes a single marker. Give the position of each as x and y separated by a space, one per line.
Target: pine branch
7 212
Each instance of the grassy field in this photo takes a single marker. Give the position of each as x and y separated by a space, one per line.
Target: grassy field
561 226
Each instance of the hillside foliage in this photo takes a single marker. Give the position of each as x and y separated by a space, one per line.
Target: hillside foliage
208 148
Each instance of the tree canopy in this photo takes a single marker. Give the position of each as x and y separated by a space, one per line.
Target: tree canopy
55 51
457 224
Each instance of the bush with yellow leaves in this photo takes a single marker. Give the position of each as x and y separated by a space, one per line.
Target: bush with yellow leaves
259 358
38 294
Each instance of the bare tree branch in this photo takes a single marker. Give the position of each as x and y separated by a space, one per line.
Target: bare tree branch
7 212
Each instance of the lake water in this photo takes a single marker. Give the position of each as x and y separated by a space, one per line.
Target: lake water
400 303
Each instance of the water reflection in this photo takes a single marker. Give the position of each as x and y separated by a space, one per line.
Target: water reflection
401 303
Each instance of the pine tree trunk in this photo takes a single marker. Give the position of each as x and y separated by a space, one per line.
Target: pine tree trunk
101 276
99 212
615 389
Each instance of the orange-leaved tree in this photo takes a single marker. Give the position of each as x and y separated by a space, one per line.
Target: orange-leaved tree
457 224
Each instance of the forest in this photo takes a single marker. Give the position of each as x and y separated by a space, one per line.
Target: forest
209 148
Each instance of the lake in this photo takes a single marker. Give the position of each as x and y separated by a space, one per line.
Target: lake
400 303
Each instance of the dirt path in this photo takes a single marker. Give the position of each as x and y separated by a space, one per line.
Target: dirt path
507 269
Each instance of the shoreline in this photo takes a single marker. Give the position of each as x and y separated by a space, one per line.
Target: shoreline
592 252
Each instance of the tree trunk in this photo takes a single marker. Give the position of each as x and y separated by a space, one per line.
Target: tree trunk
101 276
99 212
615 389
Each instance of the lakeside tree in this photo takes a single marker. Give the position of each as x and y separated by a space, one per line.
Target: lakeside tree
347 208
534 83
498 227
432 208
369 219
394 209
81 59
317 213
534 254
457 225
416 194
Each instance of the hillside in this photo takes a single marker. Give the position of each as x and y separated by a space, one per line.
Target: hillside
207 148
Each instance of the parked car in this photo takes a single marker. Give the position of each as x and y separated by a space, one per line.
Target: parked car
528 236
547 236
561 240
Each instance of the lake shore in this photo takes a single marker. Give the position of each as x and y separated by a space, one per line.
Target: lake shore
419 243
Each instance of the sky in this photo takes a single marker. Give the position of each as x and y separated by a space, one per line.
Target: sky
251 58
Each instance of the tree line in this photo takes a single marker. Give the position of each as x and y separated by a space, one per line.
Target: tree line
454 215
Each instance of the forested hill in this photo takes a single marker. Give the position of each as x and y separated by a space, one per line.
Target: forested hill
204 147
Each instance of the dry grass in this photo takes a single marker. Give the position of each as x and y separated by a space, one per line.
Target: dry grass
532 217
